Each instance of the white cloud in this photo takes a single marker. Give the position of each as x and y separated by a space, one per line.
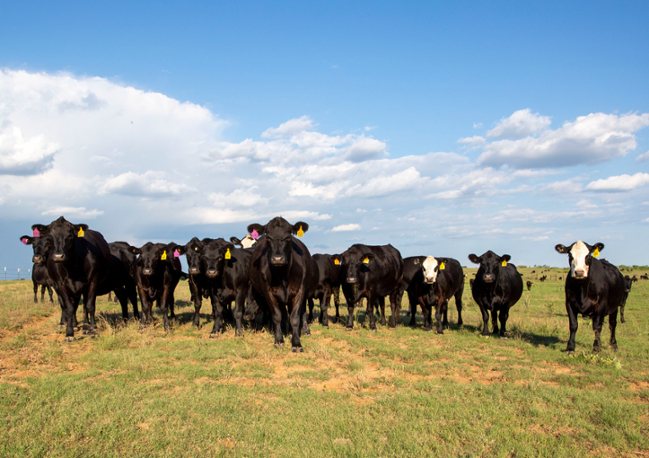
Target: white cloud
590 139
365 149
346 228
73 212
289 128
642 157
520 124
383 185
619 183
146 184
24 157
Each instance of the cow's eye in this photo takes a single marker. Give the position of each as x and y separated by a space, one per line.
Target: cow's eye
195 248
288 239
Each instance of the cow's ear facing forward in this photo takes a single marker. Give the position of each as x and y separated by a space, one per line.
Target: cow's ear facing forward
261 230
598 246
300 228
562 249
505 257
236 241
27 240
474 259
134 250
181 249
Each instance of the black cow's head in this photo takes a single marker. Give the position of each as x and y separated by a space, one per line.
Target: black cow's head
41 245
491 264
215 254
152 257
62 235
193 251
278 238
580 256
354 266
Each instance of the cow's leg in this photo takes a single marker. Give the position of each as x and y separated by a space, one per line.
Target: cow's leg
304 329
324 306
504 314
121 296
572 319
612 323
413 310
426 311
311 305
439 313
91 299
395 306
626 295
49 291
350 314
131 291
277 317
36 293
336 293
42 293
298 307
598 321
67 309
198 303
146 308
110 296
380 307
217 306
458 304
485 319
494 319
172 306
239 304
370 311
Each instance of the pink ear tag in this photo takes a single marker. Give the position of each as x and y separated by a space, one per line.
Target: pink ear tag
36 232
255 234
176 254
24 240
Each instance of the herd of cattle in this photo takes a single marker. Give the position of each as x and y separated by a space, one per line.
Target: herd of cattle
273 273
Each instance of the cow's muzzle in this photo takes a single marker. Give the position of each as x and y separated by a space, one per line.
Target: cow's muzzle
430 281
580 273
59 257
147 271
278 260
352 280
488 278
212 273
194 270
37 259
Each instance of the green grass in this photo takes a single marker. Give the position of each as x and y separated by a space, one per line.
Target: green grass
396 392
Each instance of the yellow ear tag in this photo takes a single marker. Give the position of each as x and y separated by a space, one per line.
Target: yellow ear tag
366 261
596 253
80 234
337 262
164 256
227 254
442 266
300 232
504 264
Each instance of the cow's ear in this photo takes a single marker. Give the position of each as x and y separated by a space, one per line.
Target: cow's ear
236 241
561 249
181 249
80 229
598 246
134 250
226 247
261 230
39 229
505 257
300 228
337 259
474 259
27 240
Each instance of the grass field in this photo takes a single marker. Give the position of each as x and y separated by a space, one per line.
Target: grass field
397 392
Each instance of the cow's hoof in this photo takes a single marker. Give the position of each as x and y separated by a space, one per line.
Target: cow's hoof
69 339
504 337
297 349
460 323
428 329
279 344
570 352
440 332
374 330
349 328
214 335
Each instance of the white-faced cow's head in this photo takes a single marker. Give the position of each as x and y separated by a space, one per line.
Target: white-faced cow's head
431 268
580 255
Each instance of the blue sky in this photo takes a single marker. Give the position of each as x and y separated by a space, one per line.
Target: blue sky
443 129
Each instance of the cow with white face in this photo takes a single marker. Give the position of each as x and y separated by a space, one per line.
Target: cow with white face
431 282
593 288
247 242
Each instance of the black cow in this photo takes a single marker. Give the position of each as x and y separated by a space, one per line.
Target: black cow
497 287
372 272
628 282
328 268
431 282
157 272
281 275
529 285
634 279
593 288
40 277
219 271
78 263
124 276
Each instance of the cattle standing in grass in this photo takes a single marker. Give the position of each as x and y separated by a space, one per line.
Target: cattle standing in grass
40 277
628 282
593 288
497 287
219 271
372 272
328 268
281 274
157 272
79 262
529 285
431 282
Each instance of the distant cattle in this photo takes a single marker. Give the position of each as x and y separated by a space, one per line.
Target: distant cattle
246 242
431 282
593 288
281 274
529 285
40 277
372 272
634 279
328 268
543 278
644 277
497 287
628 282
79 262
219 271
157 272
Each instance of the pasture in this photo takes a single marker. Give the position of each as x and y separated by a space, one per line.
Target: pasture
396 392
